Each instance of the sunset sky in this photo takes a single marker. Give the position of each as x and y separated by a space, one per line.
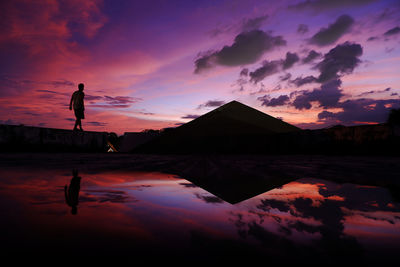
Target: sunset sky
155 64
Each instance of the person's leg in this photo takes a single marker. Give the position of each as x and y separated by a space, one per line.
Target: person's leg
80 124
76 124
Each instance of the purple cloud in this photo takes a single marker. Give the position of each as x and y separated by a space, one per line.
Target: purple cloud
328 95
289 60
341 59
299 81
247 48
312 55
302 28
362 110
121 100
190 116
274 102
267 68
323 5
393 31
211 104
333 32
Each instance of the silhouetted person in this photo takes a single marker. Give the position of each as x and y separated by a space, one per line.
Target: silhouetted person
72 193
79 107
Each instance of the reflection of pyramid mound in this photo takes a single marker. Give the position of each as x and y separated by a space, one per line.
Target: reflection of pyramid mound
227 128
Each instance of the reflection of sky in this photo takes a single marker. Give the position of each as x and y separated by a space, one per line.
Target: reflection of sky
162 209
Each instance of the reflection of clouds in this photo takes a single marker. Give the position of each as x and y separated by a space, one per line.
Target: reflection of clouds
188 185
268 204
100 196
140 187
47 196
321 212
209 198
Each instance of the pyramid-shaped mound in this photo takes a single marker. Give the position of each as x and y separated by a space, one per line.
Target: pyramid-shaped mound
224 129
235 118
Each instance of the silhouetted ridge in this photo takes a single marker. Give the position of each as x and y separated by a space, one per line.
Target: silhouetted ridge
228 128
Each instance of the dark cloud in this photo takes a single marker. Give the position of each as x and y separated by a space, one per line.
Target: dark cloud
143 112
10 85
117 101
253 23
244 72
341 59
375 92
190 116
302 101
9 122
285 77
93 97
262 90
268 68
110 106
322 5
18 84
211 104
311 56
248 47
49 91
30 113
302 28
205 60
328 95
299 81
274 102
362 110
390 13
271 67
393 31
62 83
330 35
121 100
372 38
290 59
96 123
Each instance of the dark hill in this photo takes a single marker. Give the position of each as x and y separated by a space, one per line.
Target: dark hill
235 118
229 128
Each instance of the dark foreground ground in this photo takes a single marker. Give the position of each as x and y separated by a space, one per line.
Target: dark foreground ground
231 177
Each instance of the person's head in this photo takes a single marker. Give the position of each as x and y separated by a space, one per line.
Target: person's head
81 86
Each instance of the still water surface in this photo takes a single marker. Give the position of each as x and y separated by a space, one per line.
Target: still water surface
161 215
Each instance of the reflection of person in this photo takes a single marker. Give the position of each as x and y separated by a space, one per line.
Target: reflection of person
79 107
72 193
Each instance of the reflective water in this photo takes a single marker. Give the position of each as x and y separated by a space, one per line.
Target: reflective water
161 215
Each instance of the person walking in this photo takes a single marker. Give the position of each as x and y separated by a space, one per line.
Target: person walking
77 102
